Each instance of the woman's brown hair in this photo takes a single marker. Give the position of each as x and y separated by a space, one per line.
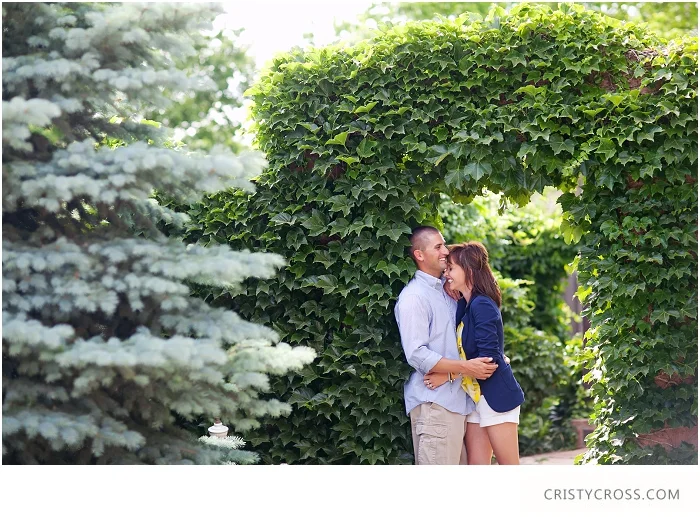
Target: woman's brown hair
474 259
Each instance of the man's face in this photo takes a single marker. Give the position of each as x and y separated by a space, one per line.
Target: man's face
432 258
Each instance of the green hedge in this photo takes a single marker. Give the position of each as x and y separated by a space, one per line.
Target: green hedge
362 140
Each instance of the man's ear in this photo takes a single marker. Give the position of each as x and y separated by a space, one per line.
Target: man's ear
418 255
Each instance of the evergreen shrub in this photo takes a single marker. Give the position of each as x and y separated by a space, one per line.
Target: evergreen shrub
106 356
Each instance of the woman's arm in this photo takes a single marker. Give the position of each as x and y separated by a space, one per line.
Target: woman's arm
435 380
487 321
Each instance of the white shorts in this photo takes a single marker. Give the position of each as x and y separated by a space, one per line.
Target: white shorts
485 416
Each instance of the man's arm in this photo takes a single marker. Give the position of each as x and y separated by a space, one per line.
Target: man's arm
413 319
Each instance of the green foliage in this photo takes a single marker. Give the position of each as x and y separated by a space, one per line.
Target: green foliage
207 117
360 143
577 395
538 358
544 371
548 426
416 11
667 19
380 15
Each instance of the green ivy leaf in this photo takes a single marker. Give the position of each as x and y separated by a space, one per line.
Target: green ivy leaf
348 159
326 282
647 133
660 315
339 139
367 108
283 218
440 153
606 148
526 148
477 170
592 112
365 149
531 90
455 178
395 232
614 99
316 224
311 127
324 257
572 233
558 144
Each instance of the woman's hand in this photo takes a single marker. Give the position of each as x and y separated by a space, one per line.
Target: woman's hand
435 380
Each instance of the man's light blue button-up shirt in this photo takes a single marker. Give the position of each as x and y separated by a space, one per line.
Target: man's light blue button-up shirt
426 319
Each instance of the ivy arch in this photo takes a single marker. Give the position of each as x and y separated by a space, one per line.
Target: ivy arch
362 140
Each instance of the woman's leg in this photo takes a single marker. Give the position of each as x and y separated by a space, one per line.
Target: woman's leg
504 439
478 445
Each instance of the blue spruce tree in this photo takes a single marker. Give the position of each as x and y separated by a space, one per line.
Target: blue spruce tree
106 356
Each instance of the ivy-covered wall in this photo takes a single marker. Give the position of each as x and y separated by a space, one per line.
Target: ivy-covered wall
361 142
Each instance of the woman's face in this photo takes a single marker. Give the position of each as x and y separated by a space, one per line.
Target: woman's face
456 276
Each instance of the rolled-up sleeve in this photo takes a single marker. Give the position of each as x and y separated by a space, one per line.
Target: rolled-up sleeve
486 323
413 319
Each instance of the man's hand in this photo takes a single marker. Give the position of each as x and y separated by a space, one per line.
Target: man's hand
480 368
452 293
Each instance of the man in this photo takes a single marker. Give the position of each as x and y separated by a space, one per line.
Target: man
425 314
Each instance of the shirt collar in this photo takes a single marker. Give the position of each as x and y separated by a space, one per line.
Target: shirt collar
430 280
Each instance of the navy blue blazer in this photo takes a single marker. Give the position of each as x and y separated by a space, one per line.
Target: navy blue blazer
483 337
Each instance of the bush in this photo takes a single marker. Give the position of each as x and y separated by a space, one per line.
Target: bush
106 356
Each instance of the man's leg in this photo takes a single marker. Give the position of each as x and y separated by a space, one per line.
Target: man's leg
464 456
415 414
438 435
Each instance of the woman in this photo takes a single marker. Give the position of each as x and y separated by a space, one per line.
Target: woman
493 426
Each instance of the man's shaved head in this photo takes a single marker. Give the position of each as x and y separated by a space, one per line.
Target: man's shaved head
420 237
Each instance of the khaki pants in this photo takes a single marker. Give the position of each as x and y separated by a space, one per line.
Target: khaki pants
438 435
